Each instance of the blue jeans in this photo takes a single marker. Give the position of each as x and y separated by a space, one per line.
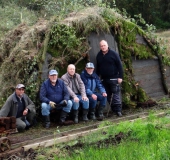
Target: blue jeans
45 108
92 102
85 104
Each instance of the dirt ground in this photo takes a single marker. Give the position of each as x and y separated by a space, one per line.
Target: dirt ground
39 131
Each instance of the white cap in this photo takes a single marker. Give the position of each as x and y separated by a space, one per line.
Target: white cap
53 72
20 86
89 65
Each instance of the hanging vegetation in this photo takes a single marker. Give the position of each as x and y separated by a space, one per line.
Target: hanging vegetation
24 50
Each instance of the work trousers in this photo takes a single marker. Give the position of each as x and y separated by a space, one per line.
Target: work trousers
113 94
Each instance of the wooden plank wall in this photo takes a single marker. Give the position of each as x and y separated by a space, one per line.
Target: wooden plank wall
147 74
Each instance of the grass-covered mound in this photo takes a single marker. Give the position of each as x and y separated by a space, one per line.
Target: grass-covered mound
23 50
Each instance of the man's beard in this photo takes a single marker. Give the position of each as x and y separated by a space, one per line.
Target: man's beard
53 81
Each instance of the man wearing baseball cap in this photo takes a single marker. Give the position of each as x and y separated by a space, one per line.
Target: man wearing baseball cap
20 106
93 83
52 93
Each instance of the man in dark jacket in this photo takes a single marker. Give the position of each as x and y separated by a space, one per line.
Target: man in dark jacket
20 106
92 84
109 67
54 95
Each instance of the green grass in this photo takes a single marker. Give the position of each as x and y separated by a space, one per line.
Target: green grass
163 38
12 15
143 140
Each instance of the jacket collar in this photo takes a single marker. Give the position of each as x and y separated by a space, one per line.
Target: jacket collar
14 97
74 76
88 75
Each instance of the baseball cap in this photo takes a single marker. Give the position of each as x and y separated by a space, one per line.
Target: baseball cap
20 86
53 72
89 65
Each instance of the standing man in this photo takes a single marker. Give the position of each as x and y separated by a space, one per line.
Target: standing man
77 92
20 106
93 83
54 95
109 67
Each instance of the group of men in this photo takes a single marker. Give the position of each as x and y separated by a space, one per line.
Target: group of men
71 91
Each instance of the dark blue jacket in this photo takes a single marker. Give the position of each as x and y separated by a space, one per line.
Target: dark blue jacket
56 93
92 83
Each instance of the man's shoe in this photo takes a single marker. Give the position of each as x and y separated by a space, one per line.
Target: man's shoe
119 114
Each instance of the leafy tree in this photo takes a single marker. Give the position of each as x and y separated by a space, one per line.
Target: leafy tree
155 12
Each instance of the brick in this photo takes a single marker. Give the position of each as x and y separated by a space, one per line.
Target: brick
13 119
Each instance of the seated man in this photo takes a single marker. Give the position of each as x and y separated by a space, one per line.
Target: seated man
20 106
54 95
77 92
93 83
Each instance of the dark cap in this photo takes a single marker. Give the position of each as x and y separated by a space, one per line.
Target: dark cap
20 86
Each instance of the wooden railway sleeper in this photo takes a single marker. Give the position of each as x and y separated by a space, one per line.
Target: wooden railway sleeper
5 144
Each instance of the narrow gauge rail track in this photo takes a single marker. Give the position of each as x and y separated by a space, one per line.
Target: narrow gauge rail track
64 136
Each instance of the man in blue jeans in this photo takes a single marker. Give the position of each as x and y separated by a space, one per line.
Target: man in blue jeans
77 92
93 83
54 95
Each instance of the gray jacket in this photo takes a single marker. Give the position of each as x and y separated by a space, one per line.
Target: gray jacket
10 107
79 83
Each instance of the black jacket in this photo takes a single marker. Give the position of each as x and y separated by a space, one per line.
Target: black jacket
109 65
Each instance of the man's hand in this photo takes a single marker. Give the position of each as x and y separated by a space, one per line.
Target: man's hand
119 80
25 112
94 96
104 94
52 104
64 103
84 98
76 99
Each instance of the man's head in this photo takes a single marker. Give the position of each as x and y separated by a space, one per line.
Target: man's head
89 68
53 76
19 90
71 69
104 46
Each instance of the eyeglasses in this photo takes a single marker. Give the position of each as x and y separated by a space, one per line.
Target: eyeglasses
90 68
21 89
